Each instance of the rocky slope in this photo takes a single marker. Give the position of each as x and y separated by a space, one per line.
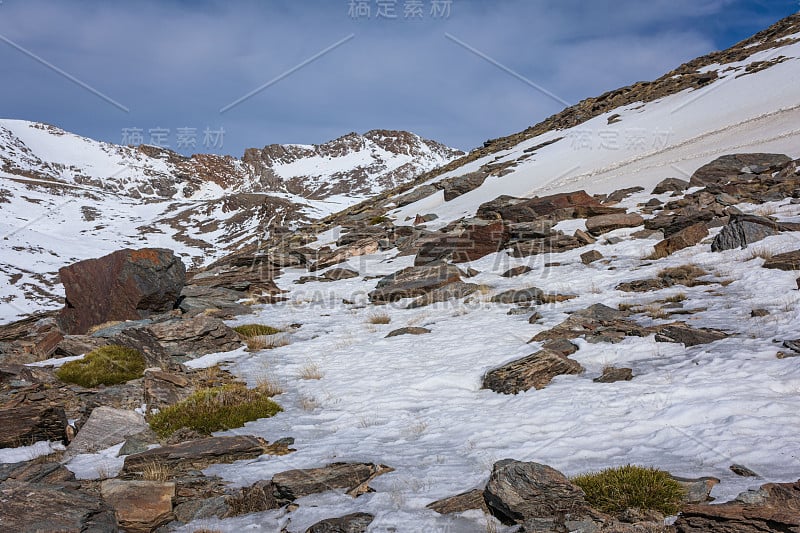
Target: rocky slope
65 197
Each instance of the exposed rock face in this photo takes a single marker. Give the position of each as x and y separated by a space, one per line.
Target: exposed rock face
140 506
786 261
687 335
533 371
774 508
353 477
743 230
671 185
192 337
611 375
125 285
590 257
105 427
472 241
198 454
196 299
733 165
34 507
519 491
26 425
459 503
555 208
414 281
452 291
683 239
361 247
455 187
604 223
351 523
408 331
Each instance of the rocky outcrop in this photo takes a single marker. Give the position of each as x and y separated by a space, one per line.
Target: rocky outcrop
459 503
774 508
105 427
743 230
26 425
351 523
683 239
554 208
473 240
733 165
687 335
352 477
125 285
604 223
192 337
139 506
671 185
458 185
786 261
532 372
414 281
198 454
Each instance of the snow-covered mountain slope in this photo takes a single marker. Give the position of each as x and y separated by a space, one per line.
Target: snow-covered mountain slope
65 198
748 102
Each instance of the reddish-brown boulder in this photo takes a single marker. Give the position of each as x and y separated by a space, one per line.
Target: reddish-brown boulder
125 285
557 207
683 239
475 240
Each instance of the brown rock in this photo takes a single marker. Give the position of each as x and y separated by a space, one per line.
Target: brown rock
472 241
164 388
605 223
195 336
354 477
516 271
671 185
408 331
363 247
553 244
590 257
556 207
683 239
198 454
351 523
414 281
139 505
458 185
533 371
459 503
125 285
584 237
687 335
611 375
697 490
729 166
23 426
786 261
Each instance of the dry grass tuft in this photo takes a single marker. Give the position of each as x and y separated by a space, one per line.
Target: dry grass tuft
311 370
379 317
676 298
759 252
156 472
655 311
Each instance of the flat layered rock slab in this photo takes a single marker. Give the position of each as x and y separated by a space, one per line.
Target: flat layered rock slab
414 281
29 424
532 372
786 261
687 335
140 506
352 523
353 477
105 427
198 454
466 501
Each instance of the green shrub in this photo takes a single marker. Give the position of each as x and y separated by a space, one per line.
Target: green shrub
215 409
107 365
631 487
253 330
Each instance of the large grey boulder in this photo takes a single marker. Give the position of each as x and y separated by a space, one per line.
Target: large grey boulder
743 230
105 427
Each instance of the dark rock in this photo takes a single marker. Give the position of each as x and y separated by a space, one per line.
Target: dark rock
459 503
195 336
516 271
353 477
455 187
590 257
641 285
605 223
414 281
621 194
774 508
553 244
743 230
785 261
729 166
611 375
23 426
584 237
697 490
139 505
515 296
525 231
162 388
36 472
423 191
452 291
35 507
743 471
408 331
759 313
363 247
125 285
199 509
336 274
683 239
197 299
597 323
670 223
471 242
687 335
556 207
671 185
31 339
198 454
519 491
351 523
533 371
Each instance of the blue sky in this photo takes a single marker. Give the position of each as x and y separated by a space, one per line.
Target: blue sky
176 64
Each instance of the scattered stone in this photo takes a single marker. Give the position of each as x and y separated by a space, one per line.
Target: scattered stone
773 508
743 230
518 492
533 371
164 388
351 523
730 166
605 223
611 375
198 454
414 281
534 318
105 427
697 490
23 426
516 271
196 299
408 331
682 239
741 470
125 285
459 503
590 257
597 323
362 247
554 244
515 296
35 507
456 186
759 313
619 195
785 261
671 185
353 477
584 237
687 335
192 337
473 240
336 274
139 505
525 231
452 291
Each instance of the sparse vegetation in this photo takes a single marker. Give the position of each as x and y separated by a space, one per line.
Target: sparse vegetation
765 211
631 487
254 330
759 252
683 275
107 365
215 409
655 311
379 318
310 371
380 219
266 342
677 298
156 472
